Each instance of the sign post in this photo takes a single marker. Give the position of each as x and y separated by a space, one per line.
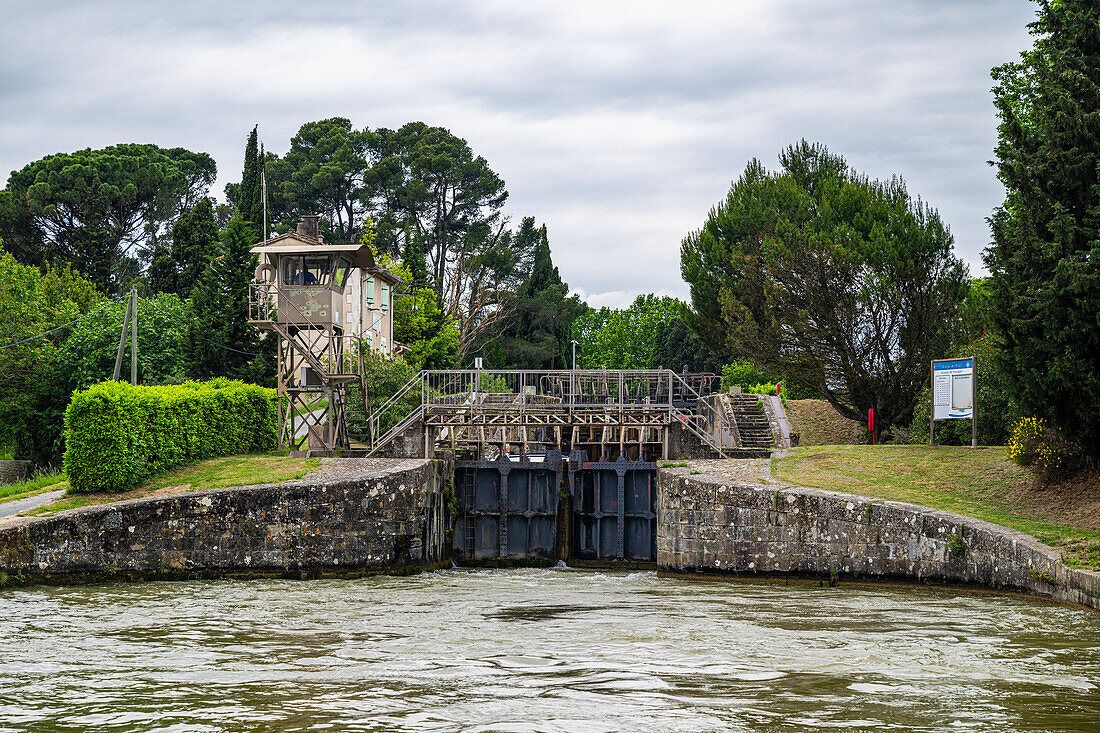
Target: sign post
953 394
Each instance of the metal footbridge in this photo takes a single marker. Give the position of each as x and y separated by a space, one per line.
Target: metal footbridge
488 413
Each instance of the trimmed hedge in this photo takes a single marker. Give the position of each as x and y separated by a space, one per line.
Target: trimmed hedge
117 435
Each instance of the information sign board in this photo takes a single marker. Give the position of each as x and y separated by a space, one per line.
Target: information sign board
953 389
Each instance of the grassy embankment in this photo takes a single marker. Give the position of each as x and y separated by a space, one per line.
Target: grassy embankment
214 473
980 483
818 423
39 484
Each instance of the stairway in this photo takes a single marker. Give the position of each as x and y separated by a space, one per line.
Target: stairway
752 422
355 412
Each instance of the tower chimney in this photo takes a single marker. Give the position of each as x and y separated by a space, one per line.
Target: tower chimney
310 226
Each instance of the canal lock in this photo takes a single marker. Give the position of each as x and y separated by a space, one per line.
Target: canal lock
541 509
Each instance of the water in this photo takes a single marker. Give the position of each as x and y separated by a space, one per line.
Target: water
540 650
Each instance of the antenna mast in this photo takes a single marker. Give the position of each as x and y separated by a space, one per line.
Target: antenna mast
263 185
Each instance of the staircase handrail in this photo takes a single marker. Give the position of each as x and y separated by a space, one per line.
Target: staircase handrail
393 432
704 409
375 419
687 421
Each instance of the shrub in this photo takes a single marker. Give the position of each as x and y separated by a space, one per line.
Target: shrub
1035 442
117 435
746 374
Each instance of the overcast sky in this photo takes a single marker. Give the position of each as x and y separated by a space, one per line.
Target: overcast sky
618 124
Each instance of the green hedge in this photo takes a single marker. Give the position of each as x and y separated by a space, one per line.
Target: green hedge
117 435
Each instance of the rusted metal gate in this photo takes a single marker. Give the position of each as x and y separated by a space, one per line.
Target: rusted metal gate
507 508
614 515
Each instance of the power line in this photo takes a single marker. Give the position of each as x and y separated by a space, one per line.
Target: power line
65 325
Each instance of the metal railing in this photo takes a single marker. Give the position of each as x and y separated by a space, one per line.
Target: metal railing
480 392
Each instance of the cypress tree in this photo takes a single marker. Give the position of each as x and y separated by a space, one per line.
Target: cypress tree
250 178
256 213
1045 257
202 347
163 270
537 335
412 257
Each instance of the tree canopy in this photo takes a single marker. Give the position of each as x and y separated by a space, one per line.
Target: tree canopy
323 173
100 210
611 338
845 285
1044 261
536 334
36 389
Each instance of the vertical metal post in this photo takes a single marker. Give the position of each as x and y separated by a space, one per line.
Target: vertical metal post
133 338
974 402
932 402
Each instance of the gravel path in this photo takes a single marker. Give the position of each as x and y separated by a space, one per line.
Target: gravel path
744 470
9 508
347 467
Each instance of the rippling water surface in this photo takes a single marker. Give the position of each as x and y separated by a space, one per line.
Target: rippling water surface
540 650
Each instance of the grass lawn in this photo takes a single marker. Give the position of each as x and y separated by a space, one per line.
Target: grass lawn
39 484
214 473
979 482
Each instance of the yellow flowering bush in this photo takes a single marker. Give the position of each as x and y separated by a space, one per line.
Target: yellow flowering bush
1035 442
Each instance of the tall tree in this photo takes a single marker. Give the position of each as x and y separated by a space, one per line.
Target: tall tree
536 335
194 237
35 393
840 283
1045 258
99 210
250 178
430 182
238 265
202 344
611 338
323 173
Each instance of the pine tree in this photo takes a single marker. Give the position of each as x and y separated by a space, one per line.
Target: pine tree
1045 257
204 350
194 238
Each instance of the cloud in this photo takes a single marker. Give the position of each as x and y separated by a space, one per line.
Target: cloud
618 124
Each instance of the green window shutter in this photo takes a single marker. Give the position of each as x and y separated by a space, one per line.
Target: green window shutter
370 289
385 297
382 345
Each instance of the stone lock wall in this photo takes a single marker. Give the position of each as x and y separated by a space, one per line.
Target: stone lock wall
376 520
712 524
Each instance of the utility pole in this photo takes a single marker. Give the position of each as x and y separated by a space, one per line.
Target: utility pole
122 341
574 355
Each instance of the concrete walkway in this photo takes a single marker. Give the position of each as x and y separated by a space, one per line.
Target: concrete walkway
22 505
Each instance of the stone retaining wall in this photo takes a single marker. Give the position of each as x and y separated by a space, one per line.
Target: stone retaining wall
375 520
707 523
12 472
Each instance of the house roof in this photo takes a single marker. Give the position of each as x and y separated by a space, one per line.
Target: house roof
293 243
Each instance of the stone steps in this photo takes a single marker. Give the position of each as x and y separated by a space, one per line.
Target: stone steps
752 422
